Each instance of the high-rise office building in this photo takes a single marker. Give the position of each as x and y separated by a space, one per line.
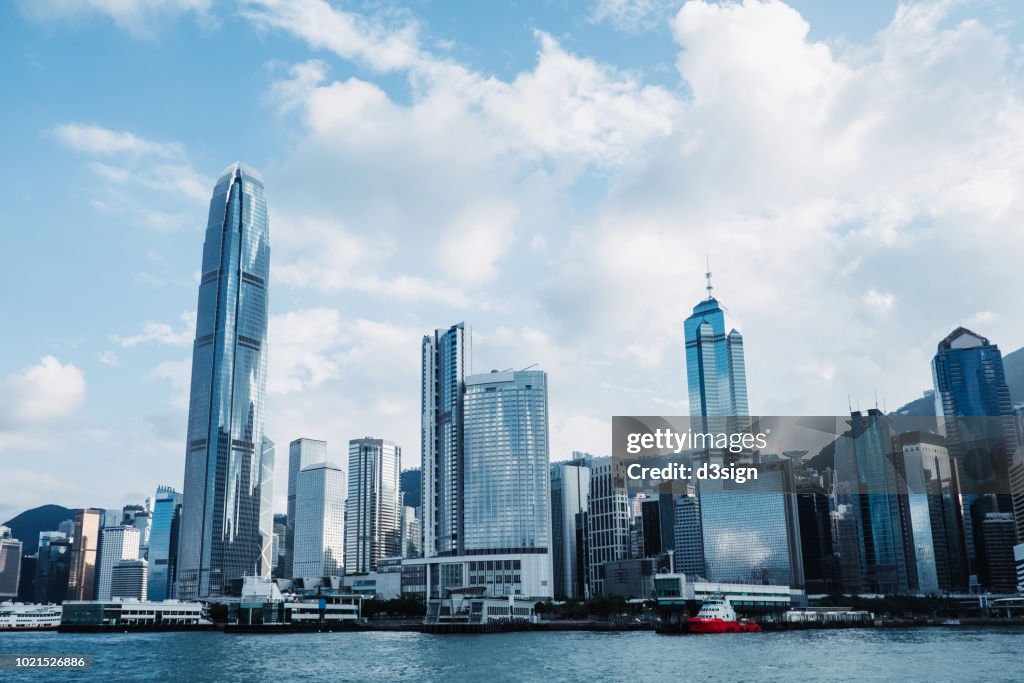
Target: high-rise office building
608 517
128 579
119 543
752 530
570 496
869 459
301 454
446 359
506 507
688 556
372 522
999 537
650 527
10 564
814 513
163 544
486 510
53 562
319 522
715 372
140 517
84 546
976 413
225 533
412 534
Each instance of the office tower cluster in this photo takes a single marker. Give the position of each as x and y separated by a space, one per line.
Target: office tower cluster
935 509
486 519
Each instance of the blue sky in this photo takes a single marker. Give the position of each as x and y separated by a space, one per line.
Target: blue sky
553 173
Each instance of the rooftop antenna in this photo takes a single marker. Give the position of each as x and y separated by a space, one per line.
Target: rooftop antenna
876 399
849 403
707 274
529 366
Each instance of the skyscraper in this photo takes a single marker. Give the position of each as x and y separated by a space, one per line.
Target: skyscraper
223 532
301 454
412 534
372 523
607 517
715 373
163 544
10 564
869 461
119 543
570 496
976 414
689 540
752 530
319 522
446 358
84 544
506 506
52 565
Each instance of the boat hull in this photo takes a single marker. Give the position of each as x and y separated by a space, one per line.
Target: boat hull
699 625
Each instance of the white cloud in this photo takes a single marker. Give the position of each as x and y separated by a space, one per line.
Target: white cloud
138 17
93 139
108 357
879 301
633 16
41 393
132 163
162 333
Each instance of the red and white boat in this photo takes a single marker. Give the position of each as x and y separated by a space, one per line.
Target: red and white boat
716 615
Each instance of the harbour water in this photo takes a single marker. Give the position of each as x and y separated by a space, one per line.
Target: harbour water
922 654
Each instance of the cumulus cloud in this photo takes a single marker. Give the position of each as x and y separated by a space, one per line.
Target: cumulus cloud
633 16
47 391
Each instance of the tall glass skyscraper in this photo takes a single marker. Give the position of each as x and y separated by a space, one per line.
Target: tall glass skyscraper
163 543
715 373
869 462
224 530
372 521
570 497
446 357
752 530
505 476
301 454
320 522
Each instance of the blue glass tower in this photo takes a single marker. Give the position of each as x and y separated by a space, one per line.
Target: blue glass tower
163 544
715 373
224 531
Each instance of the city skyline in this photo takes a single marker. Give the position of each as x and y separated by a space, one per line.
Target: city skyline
563 244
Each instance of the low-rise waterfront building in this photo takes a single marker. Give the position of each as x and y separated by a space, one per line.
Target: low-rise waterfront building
127 612
470 607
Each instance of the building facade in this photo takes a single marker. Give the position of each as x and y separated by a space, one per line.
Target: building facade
302 453
84 545
570 497
163 544
506 506
224 529
715 369
751 530
320 522
53 562
372 521
10 564
412 533
129 579
608 518
446 360
119 543
688 557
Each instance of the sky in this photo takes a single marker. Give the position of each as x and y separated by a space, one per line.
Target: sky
552 173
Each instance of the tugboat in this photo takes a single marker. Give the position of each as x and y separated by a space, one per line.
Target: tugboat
716 615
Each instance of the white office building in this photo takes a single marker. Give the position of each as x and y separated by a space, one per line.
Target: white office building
372 521
608 518
119 543
301 454
319 522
